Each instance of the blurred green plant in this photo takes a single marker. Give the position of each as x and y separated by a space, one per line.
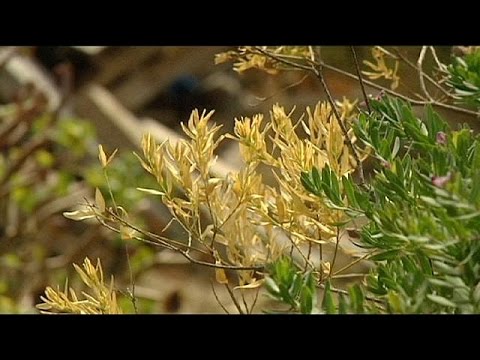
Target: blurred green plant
46 167
464 77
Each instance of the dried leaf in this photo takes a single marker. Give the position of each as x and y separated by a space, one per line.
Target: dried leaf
110 158
126 233
102 156
151 191
221 276
99 200
79 215
252 285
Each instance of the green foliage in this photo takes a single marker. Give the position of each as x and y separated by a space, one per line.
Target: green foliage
288 284
422 206
464 77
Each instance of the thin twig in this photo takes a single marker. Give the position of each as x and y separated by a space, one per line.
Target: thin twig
320 255
337 243
255 300
161 239
244 302
237 305
374 85
403 97
132 281
177 249
319 73
33 146
420 60
426 76
441 66
263 99
290 234
105 174
308 256
344 292
281 59
348 266
346 276
359 73
218 300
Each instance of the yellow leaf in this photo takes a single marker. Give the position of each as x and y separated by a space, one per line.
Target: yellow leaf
253 285
220 276
126 233
99 200
110 158
101 156
79 214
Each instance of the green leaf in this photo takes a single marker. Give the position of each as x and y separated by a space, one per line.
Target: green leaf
307 183
446 269
336 190
317 180
456 281
151 191
430 201
306 301
439 282
386 255
357 297
331 186
440 300
396 302
328 305
326 178
348 188
342 304
425 263
80 215
272 286
45 159
297 285
476 293
396 147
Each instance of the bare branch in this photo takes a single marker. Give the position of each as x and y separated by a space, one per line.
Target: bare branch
420 60
234 299
344 292
218 300
318 71
359 74
167 243
283 59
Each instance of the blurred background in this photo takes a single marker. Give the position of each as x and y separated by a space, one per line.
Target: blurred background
58 103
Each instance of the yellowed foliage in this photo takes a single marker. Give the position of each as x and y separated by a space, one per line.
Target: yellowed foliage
380 69
247 216
240 219
101 300
247 57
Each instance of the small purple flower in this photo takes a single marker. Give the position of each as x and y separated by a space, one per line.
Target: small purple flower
441 138
386 164
441 181
380 95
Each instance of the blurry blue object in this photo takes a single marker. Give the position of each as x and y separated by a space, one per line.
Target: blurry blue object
183 86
